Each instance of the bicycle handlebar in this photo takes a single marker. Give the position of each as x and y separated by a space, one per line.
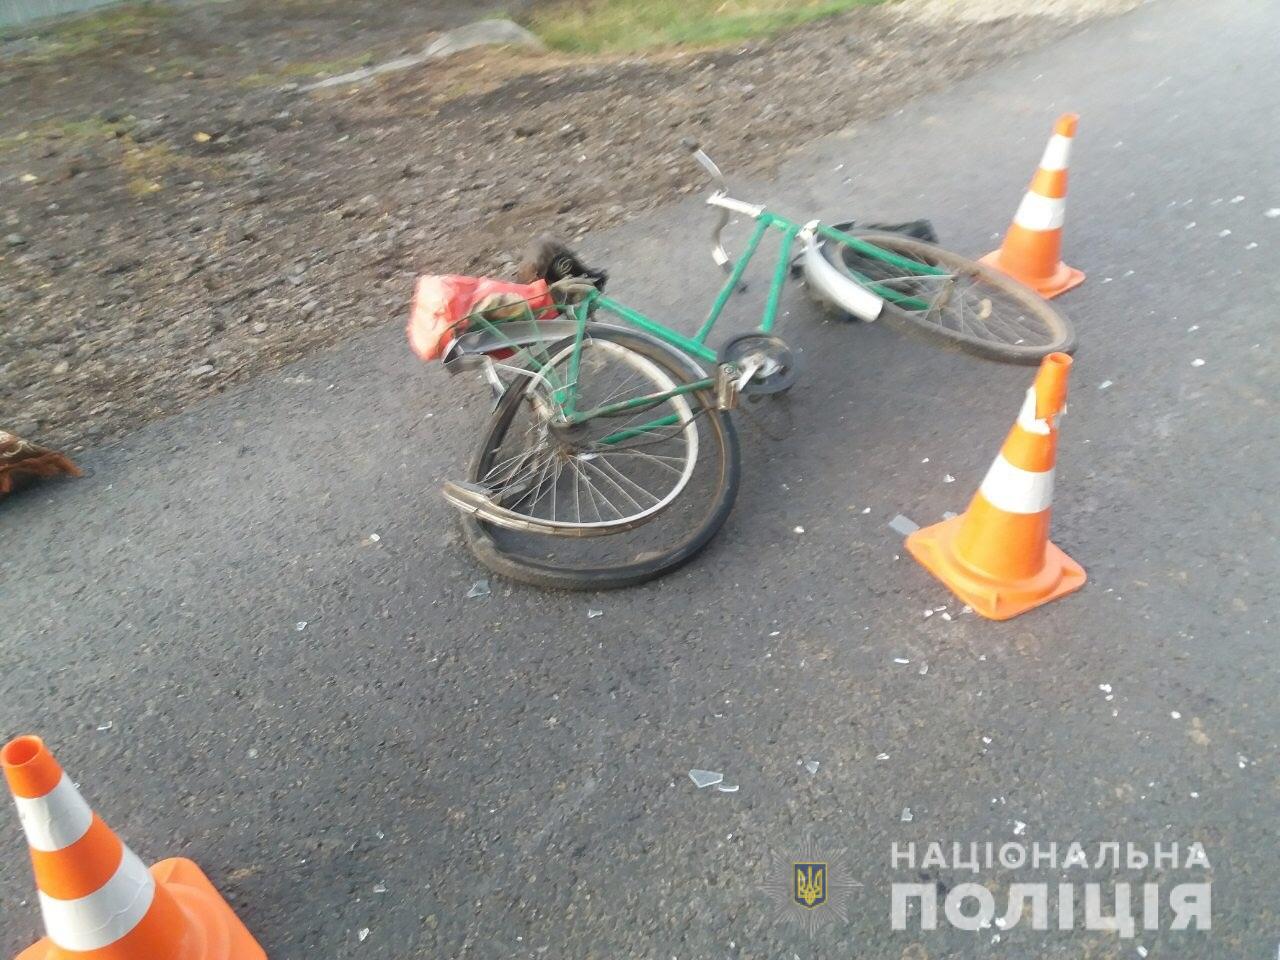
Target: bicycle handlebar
705 162
718 253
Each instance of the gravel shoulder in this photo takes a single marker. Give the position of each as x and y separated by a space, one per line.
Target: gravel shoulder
183 217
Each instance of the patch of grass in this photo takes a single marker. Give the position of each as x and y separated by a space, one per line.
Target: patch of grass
309 69
76 36
146 165
626 26
172 69
76 131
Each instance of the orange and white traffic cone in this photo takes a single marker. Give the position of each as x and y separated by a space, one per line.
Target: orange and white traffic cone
98 899
1032 249
996 556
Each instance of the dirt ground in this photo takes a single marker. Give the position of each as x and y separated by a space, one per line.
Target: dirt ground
179 216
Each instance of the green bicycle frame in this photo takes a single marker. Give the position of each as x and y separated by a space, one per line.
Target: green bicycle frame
566 394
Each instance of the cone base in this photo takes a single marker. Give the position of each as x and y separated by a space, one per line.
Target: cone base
1062 279
934 548
220 934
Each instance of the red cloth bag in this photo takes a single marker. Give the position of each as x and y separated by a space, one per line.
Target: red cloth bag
441 302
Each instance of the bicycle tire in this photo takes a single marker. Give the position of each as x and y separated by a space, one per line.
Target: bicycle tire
541 572
1063 337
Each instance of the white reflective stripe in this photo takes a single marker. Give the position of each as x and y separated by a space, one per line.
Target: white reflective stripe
1040 213
1027 415
1057 153
107 914
56 820
1015 490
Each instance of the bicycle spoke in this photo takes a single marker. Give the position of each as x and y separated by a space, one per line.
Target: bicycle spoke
965 302
577 502
555 483
660 437
587 464
521 456
518 485
603 463
651 458
537 489
617 392
675 428
593 490
557 474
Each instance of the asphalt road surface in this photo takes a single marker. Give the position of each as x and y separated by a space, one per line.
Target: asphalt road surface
417 774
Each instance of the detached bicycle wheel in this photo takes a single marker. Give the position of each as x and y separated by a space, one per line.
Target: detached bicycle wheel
968 306
615 501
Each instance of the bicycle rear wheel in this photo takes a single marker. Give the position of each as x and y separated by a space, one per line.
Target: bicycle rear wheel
970 306
660 493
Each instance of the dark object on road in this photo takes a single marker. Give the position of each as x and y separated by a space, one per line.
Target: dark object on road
550 260
21 461
916 229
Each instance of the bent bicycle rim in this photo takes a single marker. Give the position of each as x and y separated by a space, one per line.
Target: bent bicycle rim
663 543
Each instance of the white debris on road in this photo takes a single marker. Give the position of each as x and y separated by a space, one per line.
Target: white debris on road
903 525
705 778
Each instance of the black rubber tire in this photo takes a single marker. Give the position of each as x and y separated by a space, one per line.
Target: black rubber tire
908 322
547 574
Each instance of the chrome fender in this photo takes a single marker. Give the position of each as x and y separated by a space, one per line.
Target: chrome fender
829 285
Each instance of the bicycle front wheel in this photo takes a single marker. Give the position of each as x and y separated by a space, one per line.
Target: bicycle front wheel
967 305
610 503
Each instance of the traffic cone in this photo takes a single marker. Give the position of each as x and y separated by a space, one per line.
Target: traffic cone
996 556
98 899
1032 249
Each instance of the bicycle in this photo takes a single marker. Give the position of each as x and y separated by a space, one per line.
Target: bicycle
610 458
